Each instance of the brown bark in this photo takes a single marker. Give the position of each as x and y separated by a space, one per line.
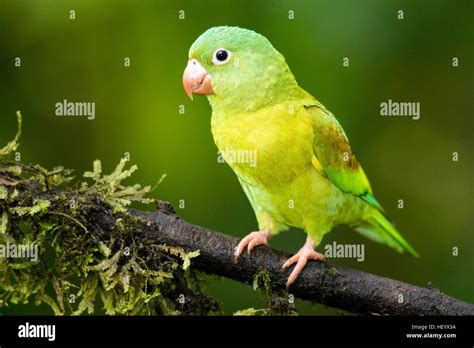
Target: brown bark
336 286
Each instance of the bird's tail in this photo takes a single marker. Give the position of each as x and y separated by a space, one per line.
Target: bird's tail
378 228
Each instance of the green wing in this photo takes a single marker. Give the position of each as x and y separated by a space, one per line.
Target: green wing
335 157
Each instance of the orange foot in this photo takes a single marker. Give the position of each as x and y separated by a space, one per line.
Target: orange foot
252 240
306 253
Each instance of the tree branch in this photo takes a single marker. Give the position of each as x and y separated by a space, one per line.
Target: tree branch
335 286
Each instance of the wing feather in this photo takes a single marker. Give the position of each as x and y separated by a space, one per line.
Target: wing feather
333 153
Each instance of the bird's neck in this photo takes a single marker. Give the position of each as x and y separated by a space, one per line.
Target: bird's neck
260 98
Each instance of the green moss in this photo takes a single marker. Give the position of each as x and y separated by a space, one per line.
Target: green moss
252 312
83 266
333 272
12 145
39 206
278 303
3 193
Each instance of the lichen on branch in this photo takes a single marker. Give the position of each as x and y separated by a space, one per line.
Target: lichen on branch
80 266
277 302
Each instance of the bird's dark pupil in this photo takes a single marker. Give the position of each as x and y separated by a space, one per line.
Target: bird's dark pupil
221 55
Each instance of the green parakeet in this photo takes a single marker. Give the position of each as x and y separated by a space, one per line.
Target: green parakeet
305 174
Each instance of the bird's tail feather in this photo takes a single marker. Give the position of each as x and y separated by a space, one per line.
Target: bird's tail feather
378 228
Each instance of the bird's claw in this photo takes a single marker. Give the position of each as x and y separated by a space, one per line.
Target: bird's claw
306 253
251 241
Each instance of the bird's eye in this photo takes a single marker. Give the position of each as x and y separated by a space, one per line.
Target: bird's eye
221 56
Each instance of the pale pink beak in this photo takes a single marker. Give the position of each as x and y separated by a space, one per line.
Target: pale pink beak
196 79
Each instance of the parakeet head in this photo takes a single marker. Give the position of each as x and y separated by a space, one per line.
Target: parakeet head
238 69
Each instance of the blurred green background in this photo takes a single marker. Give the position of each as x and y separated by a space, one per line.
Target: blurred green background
137 111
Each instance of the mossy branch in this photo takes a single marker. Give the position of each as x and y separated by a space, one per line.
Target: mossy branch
53 249
335 286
